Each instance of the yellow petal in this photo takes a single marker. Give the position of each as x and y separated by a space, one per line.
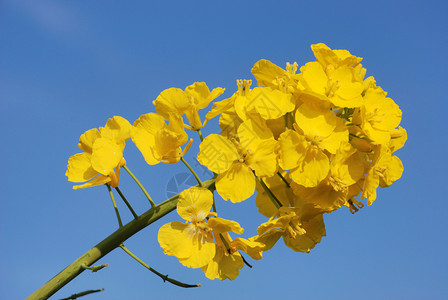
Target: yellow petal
393 171
251 247
98 180
177 239
323 197
384 113
144 133
270 103
292 149
251 132
219 225
316 119
313 169
237 184
264 159
340 135
315 230
117 129
398 138
217 153
106 155
167 142
220 107
79 168
224 266
201 94
229 122
314 78
87 139
171 101
269 239
194 204
204 254
265 72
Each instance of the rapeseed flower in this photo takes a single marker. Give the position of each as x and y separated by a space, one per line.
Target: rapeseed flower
102 158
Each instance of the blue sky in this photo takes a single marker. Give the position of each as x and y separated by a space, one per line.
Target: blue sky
68 66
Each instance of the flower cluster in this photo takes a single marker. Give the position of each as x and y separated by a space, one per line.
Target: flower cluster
309 140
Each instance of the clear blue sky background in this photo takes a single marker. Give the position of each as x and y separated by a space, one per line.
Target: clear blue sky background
68 66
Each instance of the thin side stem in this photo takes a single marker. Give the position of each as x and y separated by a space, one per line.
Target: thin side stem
291 118
192 171
126 202
245 261
284 179
115 205
214 205
271 196
76 296
200 135
164 277
107 245
140 185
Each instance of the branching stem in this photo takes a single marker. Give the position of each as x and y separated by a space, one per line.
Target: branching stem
126 202
120 223
140 185
192 171
108 244
164 277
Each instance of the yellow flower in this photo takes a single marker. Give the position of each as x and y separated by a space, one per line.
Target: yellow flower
235 160
102 158
304 151
301 228
384 170
271 75
336 58
333 59
397 138
266 102
378 115
192 242
174 101
346 169
338 86
228 261
200 97
158 141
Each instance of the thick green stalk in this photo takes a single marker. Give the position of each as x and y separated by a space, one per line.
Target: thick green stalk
107 245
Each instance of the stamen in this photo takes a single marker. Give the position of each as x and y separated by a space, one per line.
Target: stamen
243 86
352 207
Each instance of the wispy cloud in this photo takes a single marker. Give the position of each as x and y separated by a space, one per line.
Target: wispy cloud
57 18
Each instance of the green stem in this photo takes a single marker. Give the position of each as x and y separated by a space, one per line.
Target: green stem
245 261
192 171
140 185
164 277
115 205
214 205
94 268
284 179
107 245
76 296
271 196
200 135
126 202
